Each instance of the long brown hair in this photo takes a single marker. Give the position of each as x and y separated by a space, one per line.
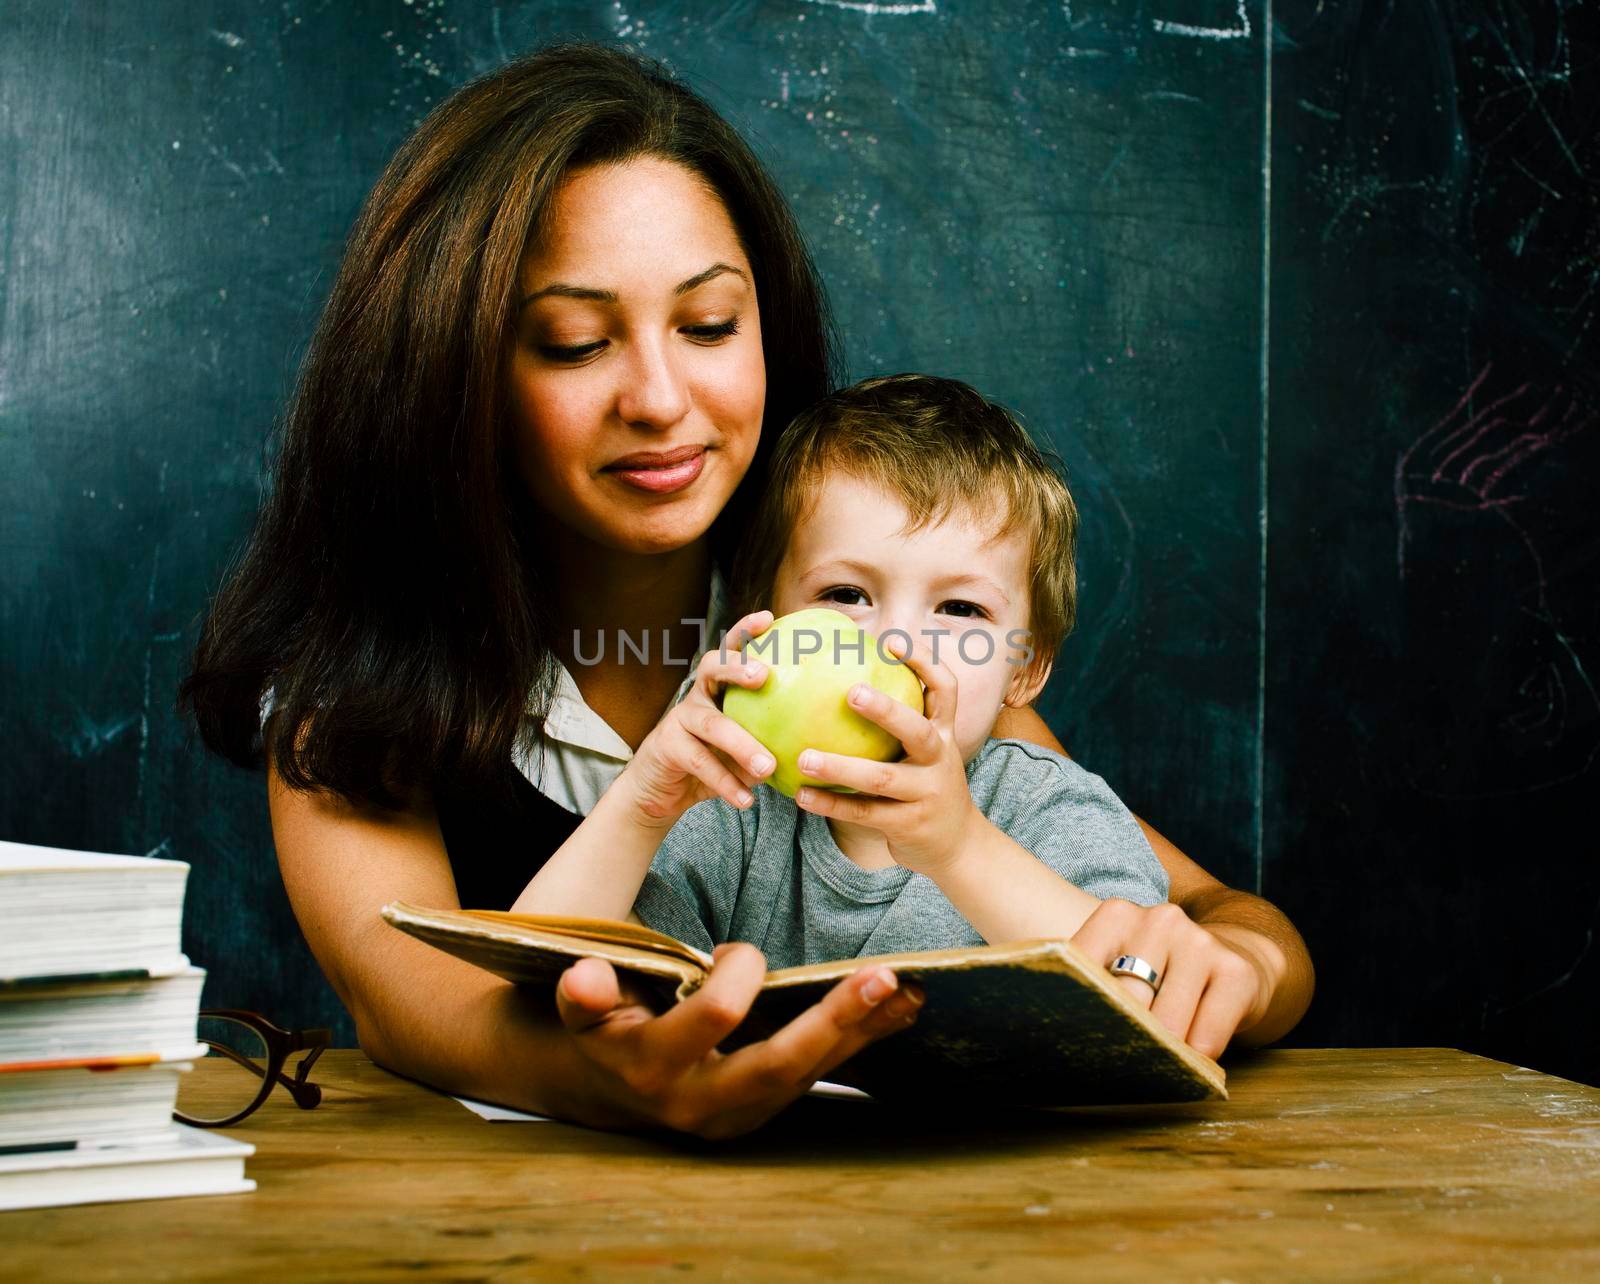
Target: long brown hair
390 598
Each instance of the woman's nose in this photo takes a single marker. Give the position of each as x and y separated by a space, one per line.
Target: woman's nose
655 391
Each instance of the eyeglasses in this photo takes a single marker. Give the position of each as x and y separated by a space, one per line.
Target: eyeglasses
247 1054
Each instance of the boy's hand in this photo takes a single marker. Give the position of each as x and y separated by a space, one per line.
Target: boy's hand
696 751
922 804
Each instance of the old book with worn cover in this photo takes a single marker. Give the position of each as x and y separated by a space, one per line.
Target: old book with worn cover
1034 1023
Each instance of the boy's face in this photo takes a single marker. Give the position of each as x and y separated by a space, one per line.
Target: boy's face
960 577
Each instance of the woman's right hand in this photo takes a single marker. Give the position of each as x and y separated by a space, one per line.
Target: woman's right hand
696 751
666 1070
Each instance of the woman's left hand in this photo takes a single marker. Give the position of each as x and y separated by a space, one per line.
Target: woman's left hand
1211 986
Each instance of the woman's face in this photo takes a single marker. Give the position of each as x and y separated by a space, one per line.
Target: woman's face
637 382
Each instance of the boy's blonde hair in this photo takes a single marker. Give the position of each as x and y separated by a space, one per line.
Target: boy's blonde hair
941 447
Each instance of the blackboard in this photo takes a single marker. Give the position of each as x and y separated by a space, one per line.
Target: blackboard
1433 721
1072 205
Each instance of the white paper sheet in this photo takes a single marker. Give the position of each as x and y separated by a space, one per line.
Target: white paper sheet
504 1114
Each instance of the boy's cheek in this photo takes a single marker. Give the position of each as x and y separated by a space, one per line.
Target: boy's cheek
981 686
975 650
982 690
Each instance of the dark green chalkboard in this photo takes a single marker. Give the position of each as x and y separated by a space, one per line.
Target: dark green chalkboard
1433 725
1060 202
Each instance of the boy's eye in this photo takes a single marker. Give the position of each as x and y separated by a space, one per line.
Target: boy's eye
575 352
713 332
965 610
832 595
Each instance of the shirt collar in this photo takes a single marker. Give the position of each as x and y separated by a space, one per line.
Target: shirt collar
571 721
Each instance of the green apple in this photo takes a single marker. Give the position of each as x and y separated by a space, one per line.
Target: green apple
813 658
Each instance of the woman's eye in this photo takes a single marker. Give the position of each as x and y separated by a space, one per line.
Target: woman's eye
966 610
575 352
713 333
832 595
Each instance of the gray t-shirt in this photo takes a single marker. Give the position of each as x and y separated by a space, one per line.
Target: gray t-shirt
773 875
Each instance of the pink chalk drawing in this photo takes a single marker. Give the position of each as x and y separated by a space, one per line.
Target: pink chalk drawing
1495 507
1464 465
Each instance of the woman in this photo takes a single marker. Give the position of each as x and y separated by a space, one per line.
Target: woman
570 320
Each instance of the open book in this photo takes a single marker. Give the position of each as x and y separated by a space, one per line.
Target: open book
1034 1023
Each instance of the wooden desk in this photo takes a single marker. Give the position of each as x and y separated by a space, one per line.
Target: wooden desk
1385 1163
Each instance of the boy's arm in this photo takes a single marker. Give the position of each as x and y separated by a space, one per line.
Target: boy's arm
1007 893
693 883
597 872
1046 841
694 752
1245 924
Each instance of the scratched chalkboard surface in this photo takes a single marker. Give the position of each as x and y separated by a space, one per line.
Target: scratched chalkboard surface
1067 204
1434 558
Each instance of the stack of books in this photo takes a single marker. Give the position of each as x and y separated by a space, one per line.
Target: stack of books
98 1014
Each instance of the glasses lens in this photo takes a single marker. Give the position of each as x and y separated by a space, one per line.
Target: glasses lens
229 1078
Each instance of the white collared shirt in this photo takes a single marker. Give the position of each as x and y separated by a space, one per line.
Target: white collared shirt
578 754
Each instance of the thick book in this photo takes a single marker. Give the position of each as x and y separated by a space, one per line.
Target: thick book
181 1161
68 913
52 1023
91 1102
1034 1023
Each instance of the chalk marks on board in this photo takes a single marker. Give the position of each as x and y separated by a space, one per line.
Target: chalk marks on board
1558 73
880 7
1097 30
1231 22
1469 459
1237 30
90 736
1501 632
1535 200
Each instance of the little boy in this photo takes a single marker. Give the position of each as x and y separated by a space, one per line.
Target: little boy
916 508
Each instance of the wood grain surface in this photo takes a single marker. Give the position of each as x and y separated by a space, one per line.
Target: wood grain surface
1413 1163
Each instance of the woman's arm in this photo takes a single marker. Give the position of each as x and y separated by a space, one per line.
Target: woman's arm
1251 925
1213 997
589 1055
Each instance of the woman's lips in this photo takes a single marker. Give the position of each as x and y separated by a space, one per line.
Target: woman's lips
662 479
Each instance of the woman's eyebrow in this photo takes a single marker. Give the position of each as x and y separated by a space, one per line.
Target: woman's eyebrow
712 272
561 290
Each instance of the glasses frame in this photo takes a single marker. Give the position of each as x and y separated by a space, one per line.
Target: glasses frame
281 1044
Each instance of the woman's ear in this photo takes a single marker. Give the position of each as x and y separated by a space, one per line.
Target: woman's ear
1026 683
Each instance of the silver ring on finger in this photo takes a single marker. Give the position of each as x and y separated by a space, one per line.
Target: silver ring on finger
1134 966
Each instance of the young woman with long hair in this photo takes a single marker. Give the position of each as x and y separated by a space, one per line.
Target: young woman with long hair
571 318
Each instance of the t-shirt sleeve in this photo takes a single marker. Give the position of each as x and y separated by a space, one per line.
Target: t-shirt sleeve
1070 819
693 882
